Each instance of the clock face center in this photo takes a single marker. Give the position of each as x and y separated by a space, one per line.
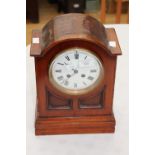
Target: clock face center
75 69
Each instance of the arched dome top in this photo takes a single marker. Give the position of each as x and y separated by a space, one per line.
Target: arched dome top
73 26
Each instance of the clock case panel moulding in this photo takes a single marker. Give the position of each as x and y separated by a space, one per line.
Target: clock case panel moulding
55 102
61 113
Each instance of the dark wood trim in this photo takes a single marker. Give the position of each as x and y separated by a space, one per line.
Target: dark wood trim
75 125
112 36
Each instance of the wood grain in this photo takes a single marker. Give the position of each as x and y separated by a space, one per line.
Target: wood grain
111 35
78 125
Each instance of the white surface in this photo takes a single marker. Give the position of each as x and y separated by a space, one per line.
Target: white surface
35 40
85 144
112 43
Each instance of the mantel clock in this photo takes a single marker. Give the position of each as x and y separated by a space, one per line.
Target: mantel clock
75 62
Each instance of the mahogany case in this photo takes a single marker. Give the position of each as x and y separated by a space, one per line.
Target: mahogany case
62 113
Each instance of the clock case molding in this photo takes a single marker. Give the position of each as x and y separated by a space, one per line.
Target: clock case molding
62 113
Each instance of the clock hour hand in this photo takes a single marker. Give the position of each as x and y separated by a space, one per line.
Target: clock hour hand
70 75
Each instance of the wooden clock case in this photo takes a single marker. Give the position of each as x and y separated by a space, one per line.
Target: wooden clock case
59 112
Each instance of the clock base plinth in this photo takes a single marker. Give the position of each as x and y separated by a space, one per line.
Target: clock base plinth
75 125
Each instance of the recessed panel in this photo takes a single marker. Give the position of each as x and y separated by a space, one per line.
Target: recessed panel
55 102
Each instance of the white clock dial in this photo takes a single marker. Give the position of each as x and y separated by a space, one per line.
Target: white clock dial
75 69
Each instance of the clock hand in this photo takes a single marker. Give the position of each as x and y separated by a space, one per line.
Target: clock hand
70 75
75 71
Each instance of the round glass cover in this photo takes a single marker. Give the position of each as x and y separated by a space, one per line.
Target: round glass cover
75 69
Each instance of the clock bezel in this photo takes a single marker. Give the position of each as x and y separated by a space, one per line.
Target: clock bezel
80 91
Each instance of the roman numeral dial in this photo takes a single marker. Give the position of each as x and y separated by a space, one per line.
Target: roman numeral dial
58 70
67 57
76 55
75 69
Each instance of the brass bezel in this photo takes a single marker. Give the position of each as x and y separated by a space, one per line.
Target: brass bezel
80 91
